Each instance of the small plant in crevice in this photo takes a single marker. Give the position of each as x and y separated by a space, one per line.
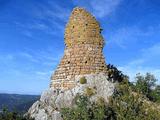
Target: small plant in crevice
83 80
89 91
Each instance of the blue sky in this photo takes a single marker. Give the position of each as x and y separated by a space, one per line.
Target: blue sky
32 44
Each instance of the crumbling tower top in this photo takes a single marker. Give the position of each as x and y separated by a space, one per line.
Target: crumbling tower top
82 28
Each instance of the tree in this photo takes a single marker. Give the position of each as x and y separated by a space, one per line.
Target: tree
155 94
114 74
126 104
145 84
7 115
129 102
85 110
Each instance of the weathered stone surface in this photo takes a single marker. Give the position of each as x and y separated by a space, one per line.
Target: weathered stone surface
51 101
56 115
83 51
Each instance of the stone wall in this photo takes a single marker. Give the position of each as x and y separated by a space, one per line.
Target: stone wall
82 28
84 50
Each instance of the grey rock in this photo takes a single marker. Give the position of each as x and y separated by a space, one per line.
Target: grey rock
51 101
56 115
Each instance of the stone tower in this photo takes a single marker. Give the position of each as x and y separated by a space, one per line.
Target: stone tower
83 52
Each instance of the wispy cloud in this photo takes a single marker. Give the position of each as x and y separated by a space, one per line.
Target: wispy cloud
43 75
152 51
145 63
100 8
35 64
21 70
49 18
132 71
7 56
27 33
53 13
51 10
148 56
19 81
47 57
130 35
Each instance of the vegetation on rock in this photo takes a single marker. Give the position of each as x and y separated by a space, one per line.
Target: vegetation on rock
126 104
131 101
83 80
6 115
84 110
90 91
139 101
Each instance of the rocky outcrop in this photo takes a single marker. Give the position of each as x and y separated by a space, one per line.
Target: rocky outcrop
83 57
52 100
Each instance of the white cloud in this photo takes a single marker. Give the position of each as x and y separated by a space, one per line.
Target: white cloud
28 67
46 58
27 33
148 55
30 61
132 71
144 63
39 26
43 74
100 8
147 59
51 11
7 58
48 18
152 51
28 56
127 35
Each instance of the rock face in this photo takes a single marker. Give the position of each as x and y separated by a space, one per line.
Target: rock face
83 51
51 101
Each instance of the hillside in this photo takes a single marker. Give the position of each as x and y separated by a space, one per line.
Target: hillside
16 101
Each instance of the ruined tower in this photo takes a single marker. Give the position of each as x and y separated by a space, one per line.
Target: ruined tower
83 52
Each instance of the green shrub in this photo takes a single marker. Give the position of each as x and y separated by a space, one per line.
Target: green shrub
155 94
80 112
7 115
84 110
146 84
129 102
90 91
101 101
126 104
83 80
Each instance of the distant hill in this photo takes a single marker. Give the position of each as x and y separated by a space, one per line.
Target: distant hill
17 102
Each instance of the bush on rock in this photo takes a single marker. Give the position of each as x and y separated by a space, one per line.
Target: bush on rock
83 80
